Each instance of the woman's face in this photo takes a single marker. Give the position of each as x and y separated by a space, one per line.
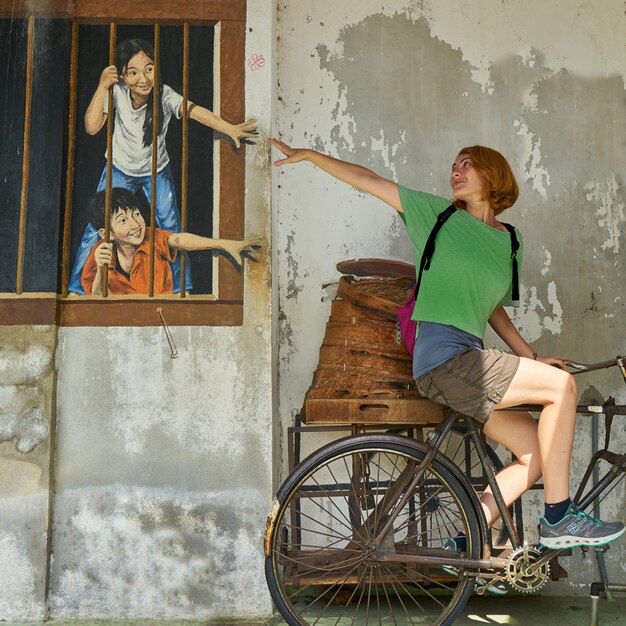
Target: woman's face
139 75
465 180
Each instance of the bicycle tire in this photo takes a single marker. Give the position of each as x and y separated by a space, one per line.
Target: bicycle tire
318 544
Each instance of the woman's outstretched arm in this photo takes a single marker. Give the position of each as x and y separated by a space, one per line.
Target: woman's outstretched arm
355 175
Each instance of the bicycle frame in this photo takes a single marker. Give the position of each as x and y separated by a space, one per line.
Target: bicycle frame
436 439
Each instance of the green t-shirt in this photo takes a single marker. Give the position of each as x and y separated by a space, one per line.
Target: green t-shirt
470 273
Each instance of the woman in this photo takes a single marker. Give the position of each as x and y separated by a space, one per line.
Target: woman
466 287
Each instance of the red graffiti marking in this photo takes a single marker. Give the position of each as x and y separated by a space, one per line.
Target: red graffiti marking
256 62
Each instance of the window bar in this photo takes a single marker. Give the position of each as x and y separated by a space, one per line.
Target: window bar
109 179
21 237
69 179
155 116
184 164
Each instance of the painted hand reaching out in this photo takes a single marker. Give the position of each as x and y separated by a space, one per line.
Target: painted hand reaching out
249 248
245 130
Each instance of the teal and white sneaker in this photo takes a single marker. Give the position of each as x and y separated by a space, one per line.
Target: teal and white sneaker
452 545
578 529
499 588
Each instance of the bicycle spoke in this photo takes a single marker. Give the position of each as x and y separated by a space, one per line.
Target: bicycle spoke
391 612
347 522
415 600
347 604
399 596
341 583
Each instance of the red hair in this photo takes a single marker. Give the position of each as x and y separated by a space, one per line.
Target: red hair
501 190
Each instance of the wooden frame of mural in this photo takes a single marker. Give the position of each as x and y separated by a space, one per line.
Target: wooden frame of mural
225 305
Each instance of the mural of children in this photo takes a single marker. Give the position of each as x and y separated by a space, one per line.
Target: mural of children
128 253
132 140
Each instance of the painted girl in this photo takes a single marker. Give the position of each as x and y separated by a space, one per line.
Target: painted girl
132 139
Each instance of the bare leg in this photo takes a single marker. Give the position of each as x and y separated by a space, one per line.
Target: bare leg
516 431
535 383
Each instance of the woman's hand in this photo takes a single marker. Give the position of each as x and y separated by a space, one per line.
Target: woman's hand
108 78
557 361
294 155
355 175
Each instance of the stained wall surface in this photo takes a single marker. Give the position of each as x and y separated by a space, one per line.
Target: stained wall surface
400 88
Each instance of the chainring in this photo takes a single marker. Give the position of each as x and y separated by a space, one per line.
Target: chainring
518 574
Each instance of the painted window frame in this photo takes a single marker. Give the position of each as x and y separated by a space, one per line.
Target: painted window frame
225 306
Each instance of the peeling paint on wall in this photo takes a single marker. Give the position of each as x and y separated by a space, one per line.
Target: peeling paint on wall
29 429
24 366
610 210
534 172
21 417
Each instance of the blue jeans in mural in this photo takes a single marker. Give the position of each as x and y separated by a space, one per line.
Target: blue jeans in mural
167 218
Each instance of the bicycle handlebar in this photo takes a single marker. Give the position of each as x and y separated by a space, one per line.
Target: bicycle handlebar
581 368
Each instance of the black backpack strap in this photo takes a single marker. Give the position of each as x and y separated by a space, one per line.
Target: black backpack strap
429 248
514 249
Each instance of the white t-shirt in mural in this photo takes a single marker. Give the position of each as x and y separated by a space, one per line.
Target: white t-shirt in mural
129 154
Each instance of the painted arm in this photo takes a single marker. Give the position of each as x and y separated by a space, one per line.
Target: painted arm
355 175
504 328
233 247
236 132
95 117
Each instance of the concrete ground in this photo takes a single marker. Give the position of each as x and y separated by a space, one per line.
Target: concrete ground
515 610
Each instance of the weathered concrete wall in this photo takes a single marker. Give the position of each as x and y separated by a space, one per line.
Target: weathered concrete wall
399 88
163 475
27 386
154 504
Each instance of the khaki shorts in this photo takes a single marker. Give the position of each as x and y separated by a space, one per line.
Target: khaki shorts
472 382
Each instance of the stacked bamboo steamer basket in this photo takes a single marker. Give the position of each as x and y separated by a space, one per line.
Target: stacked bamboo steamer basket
364 372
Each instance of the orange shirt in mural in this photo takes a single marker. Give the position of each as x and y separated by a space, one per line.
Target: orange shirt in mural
138 281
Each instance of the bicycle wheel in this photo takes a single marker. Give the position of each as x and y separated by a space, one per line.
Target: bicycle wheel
322 560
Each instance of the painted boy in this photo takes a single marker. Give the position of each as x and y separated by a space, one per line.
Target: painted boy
128 253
